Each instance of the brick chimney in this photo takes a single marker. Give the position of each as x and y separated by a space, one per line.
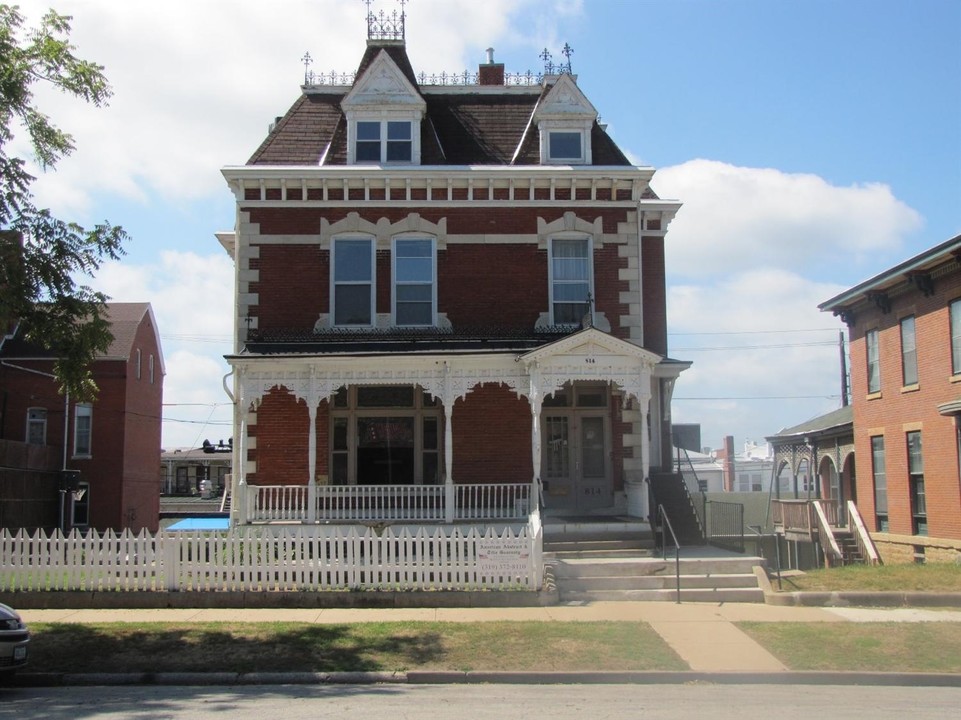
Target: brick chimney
491 73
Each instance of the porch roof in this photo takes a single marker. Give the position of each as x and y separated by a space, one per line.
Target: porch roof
339 341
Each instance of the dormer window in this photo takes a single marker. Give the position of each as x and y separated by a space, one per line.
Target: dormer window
566 146
384 141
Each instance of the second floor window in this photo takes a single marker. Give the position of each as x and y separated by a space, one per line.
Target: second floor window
909 353
874 361
37 426
387 141
571 280
955 312
353 286
414 281
82 430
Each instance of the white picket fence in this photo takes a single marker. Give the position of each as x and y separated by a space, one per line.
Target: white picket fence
288 558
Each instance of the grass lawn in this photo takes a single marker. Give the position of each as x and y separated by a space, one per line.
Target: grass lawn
293 647
934 577
881 647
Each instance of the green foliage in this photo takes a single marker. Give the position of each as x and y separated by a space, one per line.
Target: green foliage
41 255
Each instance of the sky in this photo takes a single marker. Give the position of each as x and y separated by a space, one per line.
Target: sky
812 145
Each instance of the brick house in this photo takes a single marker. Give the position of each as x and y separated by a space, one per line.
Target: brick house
111 446
447 293
905 344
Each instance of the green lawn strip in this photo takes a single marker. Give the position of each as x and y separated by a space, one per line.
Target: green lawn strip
933 577
879 647
303 647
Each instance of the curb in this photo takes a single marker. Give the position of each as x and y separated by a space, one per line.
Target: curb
276 600
854 598
35 680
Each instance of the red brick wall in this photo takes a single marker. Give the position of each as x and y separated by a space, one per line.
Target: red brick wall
895 410
492 437
654 301
478 285
282 441
123 470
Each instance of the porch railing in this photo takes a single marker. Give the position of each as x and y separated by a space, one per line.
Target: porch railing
387 503
862 537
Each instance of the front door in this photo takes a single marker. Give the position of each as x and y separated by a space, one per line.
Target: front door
575 464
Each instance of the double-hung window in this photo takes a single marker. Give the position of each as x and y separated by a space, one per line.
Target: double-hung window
909 352
880 483
82 430
353 286
874 361
571 280
415 281
384 141
919 507
955 312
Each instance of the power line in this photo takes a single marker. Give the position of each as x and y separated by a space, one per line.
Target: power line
753 332
764 397
781 346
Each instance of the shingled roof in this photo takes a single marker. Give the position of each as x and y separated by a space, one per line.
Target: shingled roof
488 127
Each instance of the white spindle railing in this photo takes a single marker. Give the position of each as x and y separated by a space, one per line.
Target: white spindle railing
510 502
829 543
274 558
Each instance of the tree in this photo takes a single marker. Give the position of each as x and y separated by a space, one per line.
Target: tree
41 256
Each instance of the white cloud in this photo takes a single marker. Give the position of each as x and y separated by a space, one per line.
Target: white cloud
736 217
751 255
196 84
192 299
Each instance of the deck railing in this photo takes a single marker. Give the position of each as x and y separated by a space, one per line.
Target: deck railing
509 502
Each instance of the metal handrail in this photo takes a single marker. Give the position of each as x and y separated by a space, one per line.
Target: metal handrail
756 529
664 521
694 491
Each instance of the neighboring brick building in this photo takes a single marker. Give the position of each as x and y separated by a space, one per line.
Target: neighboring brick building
112 443
458 283
905 339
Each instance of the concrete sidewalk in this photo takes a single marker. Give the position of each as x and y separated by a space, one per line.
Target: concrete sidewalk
702 634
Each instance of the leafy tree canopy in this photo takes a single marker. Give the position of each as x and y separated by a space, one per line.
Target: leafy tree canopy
42 256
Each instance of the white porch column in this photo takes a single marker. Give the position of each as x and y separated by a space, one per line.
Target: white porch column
312 460
450 496
637 498
536 402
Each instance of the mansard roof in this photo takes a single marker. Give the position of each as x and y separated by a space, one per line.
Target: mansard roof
463 125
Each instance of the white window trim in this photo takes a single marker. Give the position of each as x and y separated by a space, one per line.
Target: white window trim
550 272
393 275
76 425
547 127
414 118
30 421
373 280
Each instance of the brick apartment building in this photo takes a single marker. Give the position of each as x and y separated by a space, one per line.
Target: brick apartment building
905 340
452 280
111 446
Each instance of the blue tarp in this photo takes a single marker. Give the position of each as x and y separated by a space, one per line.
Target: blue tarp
201 523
